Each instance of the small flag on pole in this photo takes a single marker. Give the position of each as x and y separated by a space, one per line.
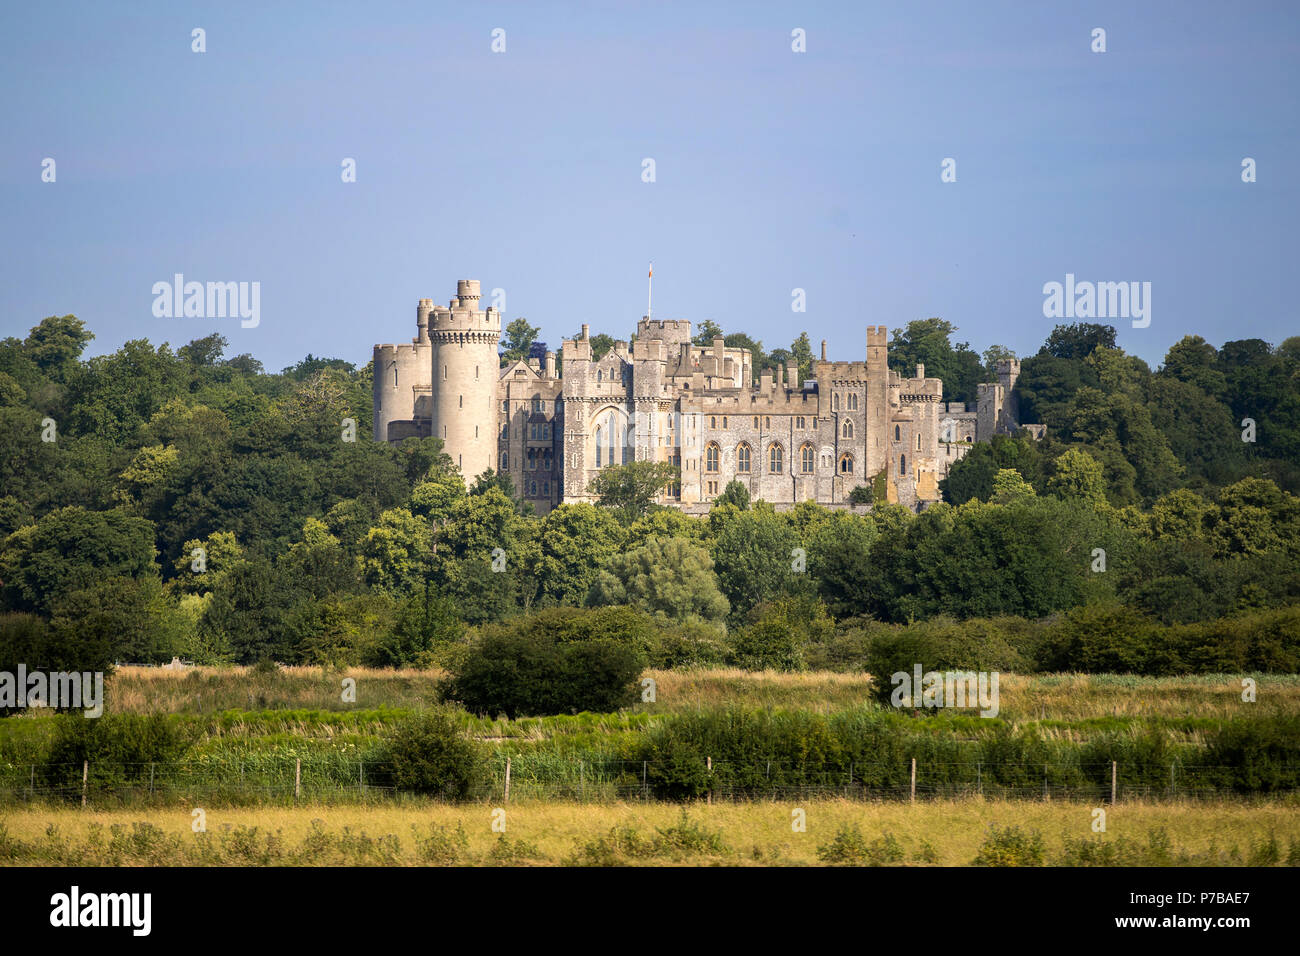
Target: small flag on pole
652 270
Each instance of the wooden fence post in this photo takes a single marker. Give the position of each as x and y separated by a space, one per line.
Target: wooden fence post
85 776
151 778
645 790
1114 778
297 779
710 759
507 780
914 780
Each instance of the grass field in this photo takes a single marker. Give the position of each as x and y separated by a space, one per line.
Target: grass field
740 834
1023 697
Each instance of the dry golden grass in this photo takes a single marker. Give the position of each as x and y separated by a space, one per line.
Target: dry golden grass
754 833
1065 697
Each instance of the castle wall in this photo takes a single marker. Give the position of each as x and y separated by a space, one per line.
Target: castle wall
664 399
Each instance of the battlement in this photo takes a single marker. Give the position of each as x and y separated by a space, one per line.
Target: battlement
677 331
877 335
829 373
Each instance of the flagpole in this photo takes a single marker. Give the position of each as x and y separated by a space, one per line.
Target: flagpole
649 293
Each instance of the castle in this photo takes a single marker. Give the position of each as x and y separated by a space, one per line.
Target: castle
551 426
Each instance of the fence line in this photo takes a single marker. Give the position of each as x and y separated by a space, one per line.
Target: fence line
293 779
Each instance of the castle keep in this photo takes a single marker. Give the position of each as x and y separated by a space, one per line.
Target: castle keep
551 426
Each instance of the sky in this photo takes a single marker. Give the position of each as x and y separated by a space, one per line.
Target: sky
774 170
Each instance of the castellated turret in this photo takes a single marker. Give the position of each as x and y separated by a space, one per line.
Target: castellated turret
403 383
465 373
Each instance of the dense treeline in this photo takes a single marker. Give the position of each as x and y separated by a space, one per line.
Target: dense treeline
158 503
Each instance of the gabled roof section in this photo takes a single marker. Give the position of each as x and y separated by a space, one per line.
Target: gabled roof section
509 372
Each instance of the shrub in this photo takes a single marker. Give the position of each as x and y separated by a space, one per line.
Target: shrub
779 633
118 749
430 754
1258 755
555 662
1010 847
441 846
849 848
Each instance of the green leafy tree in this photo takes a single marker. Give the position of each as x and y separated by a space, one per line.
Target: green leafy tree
667 577
73 549
518 339
1078 340
735 494
56 344
754 557
632 488
1077 475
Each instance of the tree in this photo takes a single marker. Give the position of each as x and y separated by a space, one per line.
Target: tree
633 487
1009 486
754 558
1076 474
670 578
1078 340
205 352
779 634
518 339
1193 360
802 353
735 494
706 331
839 553
991 357
972 477
576 542
927 342
394 552
72 549
559 661
430 754
56 344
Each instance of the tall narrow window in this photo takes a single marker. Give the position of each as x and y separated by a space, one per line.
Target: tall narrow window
598 448
848 428
742 459
775 459
846 465
807 458
711 459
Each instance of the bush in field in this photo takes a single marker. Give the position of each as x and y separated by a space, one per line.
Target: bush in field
118 749
779 632
939 645
692 644
559 661
430 754
1258 755
1011 846
849 848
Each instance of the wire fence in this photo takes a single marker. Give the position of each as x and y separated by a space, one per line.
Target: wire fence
279 780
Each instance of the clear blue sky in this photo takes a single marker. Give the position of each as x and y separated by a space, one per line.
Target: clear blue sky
775 170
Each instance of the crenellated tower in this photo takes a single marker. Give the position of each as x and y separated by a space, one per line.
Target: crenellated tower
465 372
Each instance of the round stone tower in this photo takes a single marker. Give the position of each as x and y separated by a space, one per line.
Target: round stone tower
465 373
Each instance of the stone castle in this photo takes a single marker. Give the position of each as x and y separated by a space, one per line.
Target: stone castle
551 426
